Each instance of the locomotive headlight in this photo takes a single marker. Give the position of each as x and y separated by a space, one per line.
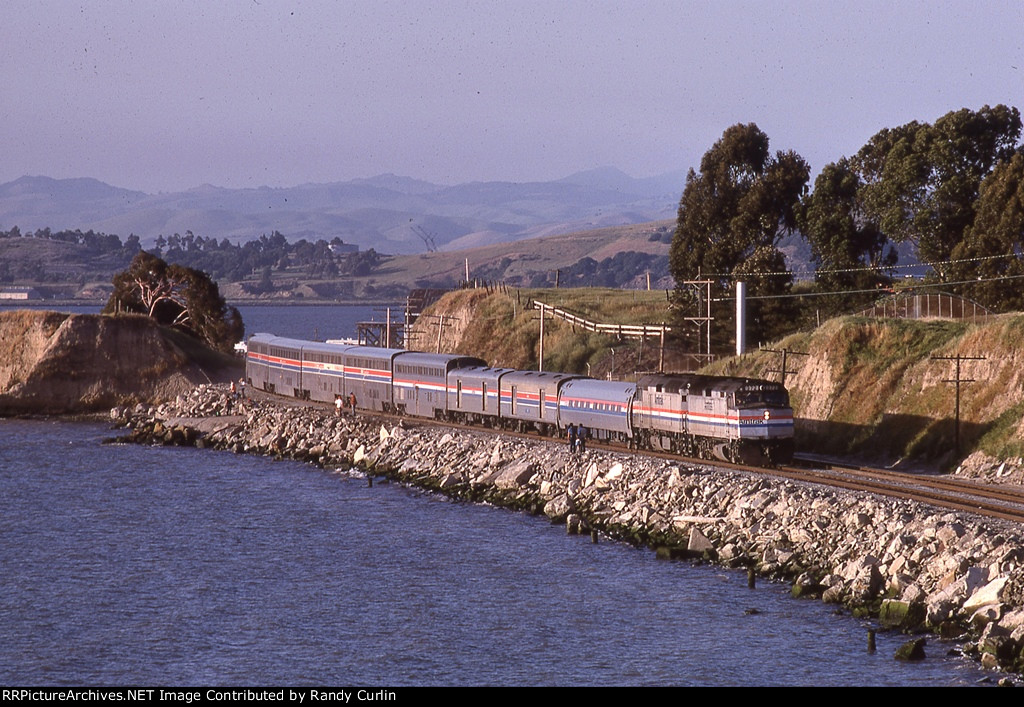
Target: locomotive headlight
767 415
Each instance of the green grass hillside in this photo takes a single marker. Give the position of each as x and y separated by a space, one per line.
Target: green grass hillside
501 328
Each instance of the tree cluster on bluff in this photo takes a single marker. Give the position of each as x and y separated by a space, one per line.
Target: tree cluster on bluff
952 189
179 297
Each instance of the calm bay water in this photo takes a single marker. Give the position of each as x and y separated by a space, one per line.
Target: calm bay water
127 564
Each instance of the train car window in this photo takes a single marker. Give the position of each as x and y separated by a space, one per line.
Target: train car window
483 397
541 398
513 400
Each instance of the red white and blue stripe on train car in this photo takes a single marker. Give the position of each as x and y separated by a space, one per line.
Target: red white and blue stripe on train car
367 375
473 393
531 401
661 414
325 369
278 362
410 383
753 422
758 420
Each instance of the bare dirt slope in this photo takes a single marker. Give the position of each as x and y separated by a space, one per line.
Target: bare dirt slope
55 363
877 389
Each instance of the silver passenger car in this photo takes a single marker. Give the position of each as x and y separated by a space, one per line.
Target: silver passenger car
368 372
323 370
603 407
529 399
274 364
421 381
473 394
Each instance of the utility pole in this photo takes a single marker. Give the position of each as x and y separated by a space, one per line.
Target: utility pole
958 380
785 352
699 287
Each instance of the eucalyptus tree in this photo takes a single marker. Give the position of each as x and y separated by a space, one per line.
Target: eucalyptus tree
849 249
992 253
176 296
921 181
732 215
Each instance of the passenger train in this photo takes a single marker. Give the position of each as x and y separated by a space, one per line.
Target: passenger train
712 417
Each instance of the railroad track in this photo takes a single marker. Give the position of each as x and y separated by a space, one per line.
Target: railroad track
1002 502
1005 502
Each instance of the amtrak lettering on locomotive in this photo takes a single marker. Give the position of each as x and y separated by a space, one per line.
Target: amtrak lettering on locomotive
712 417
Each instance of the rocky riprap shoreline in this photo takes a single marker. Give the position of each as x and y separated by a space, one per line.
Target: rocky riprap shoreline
991 470
917 568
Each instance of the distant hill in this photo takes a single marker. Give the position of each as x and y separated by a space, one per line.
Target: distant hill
533 262
390 213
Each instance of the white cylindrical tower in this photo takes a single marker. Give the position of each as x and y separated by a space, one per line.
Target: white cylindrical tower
741 317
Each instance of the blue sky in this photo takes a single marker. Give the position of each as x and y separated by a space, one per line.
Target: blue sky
162 96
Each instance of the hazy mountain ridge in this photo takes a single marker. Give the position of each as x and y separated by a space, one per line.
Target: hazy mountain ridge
389 213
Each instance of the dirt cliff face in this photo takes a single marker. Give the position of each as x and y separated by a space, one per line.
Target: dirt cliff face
885 389
54 363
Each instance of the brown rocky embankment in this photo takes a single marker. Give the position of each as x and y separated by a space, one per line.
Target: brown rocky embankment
54 363
883 390
917 568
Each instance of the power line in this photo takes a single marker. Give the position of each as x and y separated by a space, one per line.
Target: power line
866 268
917 286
